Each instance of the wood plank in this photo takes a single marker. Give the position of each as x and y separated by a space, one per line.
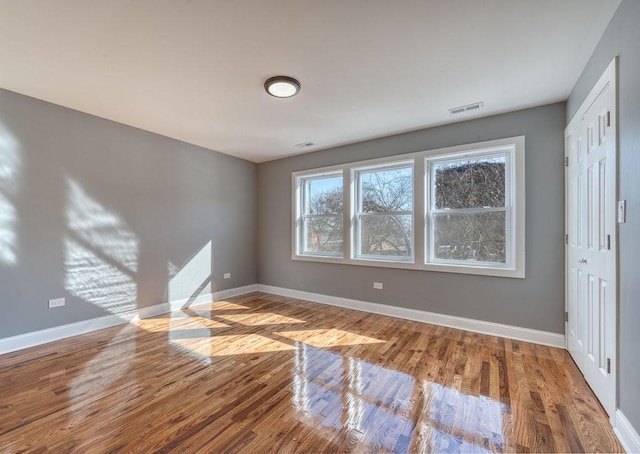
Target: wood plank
263 373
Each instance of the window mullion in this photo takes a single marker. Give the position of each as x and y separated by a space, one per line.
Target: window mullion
320 216
385 213
467 210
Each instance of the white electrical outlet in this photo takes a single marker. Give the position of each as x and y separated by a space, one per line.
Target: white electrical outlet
622 211
377 285
227 275
57 302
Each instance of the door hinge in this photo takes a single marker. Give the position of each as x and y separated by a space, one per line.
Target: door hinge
608 365
566 161
609 242
566 316
566 238
608 118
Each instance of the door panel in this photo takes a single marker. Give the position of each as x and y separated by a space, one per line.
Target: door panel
591 246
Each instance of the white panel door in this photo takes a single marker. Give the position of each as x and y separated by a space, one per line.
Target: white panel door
591 245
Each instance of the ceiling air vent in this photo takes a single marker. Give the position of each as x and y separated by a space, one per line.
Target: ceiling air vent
467 108
304 144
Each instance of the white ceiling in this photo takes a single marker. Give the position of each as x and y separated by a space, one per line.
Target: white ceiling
194 69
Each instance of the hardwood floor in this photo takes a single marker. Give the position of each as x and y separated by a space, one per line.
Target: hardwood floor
261 373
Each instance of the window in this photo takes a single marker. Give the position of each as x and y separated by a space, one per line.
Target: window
465 213
321 215
384 212
469 209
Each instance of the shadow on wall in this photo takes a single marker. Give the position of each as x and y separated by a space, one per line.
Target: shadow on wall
10 167
101 254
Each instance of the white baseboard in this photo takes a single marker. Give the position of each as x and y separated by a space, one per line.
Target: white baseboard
163 308
32 339
21 341
477 326
11 344
627 435
222 294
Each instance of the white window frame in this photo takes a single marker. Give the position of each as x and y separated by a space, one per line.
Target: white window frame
358 214
421 196
508 153
301 199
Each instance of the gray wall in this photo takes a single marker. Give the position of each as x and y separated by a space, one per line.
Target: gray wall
622 38
535 302
112 217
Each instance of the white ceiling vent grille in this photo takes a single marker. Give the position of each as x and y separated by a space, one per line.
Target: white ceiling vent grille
467 108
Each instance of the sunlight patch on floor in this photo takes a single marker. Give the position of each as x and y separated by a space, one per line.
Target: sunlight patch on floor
260 318
333 392
227 306
328 337
231 345
450 417
92 379
184 321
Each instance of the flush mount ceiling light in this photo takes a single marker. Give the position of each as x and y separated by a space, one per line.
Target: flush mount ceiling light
282 86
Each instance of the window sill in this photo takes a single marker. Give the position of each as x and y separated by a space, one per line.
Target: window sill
458 269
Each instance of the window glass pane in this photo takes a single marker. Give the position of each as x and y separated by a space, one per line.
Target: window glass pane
386 235
386 190
323 235
475 237
323 195
469 183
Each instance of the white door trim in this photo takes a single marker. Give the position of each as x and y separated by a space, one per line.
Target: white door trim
607 77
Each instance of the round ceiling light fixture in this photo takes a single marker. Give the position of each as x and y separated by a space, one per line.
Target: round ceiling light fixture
282 86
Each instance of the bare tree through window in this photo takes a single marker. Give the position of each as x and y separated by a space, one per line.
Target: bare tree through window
322 215
468 212
385 212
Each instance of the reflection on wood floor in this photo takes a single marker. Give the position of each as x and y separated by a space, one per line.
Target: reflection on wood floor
261 373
